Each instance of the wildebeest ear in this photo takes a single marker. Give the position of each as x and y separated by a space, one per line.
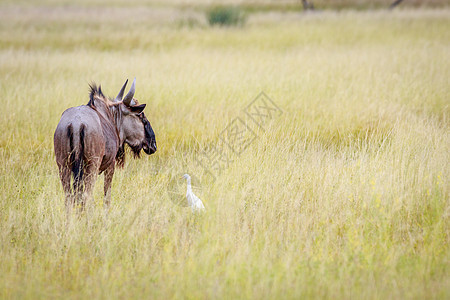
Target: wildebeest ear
137 109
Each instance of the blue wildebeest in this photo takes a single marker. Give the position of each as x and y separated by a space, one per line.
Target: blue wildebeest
90 139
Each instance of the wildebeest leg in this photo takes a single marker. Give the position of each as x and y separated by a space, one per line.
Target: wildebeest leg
88 183
109 173
65 174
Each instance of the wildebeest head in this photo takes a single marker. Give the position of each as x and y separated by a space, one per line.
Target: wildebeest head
135 129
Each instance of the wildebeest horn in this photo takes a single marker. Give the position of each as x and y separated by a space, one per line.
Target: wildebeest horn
120 94
129 96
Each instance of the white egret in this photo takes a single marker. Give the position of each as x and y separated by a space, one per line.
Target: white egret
194 202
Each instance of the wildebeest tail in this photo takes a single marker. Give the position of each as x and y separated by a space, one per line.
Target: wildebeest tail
76 156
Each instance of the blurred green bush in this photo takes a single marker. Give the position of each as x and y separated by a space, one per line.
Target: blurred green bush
226 16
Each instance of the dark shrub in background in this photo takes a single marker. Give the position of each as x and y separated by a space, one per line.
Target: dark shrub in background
226 16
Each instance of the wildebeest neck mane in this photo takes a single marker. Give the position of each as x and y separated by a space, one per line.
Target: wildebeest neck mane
95 93
102 104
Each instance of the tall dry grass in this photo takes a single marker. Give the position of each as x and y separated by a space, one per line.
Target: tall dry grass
345 195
